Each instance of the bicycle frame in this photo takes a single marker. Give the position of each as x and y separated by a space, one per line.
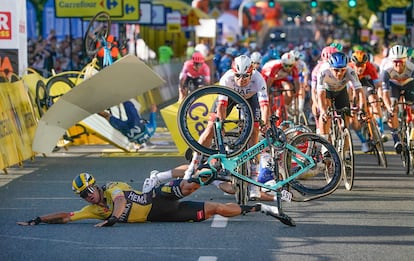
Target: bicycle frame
305 161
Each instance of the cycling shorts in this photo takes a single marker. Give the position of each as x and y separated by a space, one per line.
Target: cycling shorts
408 91
368 86
341 98
166 206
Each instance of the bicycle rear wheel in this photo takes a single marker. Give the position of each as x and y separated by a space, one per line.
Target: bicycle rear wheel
377 142
194 113
321 180
99 27
348 159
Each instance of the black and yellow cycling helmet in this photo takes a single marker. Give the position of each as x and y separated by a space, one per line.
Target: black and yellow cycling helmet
82 182
359 57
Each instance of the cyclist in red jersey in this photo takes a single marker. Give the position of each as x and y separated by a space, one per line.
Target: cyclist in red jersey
195 71
369 78
282 74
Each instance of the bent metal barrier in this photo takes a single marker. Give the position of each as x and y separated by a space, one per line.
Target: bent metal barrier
18 117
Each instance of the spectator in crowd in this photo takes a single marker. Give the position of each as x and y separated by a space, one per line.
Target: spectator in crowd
165 53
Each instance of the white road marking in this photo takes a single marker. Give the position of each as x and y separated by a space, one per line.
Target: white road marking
207 258
219 221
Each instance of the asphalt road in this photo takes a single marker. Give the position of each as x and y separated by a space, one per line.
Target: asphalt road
374 221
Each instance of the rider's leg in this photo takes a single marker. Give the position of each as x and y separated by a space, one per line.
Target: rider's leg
254 164
393 125
301 98
287 95
205 140
182 93
233 209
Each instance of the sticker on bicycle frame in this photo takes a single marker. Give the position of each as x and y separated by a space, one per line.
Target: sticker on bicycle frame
286 196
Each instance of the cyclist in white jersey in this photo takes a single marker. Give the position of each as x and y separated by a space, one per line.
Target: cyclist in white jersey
332 81
303 71
251 85
397 80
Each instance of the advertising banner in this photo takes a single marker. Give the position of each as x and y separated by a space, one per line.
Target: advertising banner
13 33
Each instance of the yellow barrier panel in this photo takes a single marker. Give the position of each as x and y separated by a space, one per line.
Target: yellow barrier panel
25 121
30 80
8 143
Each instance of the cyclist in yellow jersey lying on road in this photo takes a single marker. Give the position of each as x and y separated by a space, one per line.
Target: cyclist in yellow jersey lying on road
119 202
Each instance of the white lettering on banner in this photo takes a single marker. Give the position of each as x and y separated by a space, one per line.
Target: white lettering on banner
3 22
174 18
400 19
81 4
5 25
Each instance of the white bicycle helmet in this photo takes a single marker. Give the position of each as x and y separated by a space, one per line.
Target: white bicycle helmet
256 57
295 54
242 65
287 59
398 52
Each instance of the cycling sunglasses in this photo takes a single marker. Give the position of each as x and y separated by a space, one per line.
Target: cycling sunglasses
339 69
360 64
86 192
288 65
242 75
398 61
198 64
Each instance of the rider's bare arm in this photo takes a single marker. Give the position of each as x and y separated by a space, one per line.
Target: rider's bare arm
55 218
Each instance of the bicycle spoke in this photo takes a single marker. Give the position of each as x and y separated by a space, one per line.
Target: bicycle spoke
319 181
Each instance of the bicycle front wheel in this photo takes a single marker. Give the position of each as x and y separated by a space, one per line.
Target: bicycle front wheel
321 180
194 115
377 141
99 27
348 159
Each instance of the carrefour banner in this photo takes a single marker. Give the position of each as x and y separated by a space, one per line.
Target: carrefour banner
85 8
13 33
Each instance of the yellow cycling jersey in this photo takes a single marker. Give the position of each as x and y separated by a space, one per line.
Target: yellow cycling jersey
137 207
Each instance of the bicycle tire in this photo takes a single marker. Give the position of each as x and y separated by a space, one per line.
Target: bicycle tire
348 160
313 184
90 43
241 187
41 97
302 119
190 103
405 156
377 142
52 98
293 131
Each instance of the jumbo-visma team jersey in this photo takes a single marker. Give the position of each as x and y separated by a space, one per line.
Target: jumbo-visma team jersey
137 208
